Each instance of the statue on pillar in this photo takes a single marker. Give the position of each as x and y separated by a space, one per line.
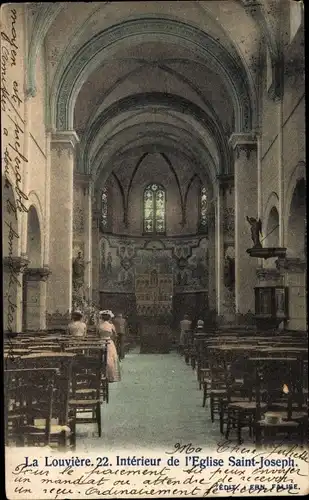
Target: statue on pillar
78 273
256 231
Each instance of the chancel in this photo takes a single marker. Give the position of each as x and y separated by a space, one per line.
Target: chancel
154 234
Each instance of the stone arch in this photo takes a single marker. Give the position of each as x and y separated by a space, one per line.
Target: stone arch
33 291
68 80
270 220
44 15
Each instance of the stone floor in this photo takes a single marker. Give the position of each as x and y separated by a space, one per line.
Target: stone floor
156 404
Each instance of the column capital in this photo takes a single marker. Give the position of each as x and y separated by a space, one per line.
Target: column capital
65 137
83 180
243 143
96 215
244 140
225 181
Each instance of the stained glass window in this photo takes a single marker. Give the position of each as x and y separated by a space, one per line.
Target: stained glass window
203 210
104 208
154 209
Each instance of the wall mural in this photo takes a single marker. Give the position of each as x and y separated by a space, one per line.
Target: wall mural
122 260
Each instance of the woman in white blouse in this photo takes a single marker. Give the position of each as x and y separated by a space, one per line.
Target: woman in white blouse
107 332
77 328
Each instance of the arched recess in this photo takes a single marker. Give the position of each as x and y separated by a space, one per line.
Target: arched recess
33 287
44 15
269 217
296 229
34 244
296 249
272 229
297 174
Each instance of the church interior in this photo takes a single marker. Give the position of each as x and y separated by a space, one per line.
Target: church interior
154 167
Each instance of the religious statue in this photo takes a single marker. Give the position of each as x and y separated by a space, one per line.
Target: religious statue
78 271
256 231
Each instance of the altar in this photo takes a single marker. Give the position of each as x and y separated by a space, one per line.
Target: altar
154 299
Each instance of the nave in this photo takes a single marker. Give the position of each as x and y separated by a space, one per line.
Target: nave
227 385
156 405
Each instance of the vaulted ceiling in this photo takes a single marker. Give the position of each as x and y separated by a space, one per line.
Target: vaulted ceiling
140 77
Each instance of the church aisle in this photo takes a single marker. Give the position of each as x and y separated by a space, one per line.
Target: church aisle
156 404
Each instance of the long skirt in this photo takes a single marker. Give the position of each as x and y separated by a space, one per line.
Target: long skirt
182 338
113 367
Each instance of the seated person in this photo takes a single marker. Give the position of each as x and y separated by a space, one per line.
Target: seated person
77 328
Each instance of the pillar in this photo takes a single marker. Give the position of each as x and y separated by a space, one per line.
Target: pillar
96 257
82 233
88 241
13 269
225 247
59 301
246 204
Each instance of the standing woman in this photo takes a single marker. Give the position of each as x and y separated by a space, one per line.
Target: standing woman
106 331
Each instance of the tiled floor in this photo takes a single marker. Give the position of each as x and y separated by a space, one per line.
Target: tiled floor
156 404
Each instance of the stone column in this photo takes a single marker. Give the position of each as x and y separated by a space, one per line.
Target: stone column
13 268
83 227
96 257
212 301
224 246
246 204
35 298
61 225
219 252
88 241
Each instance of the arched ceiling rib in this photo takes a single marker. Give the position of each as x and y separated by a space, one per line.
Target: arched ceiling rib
153 141
168 102
120 141
88 108
203 77
170 166
101 48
